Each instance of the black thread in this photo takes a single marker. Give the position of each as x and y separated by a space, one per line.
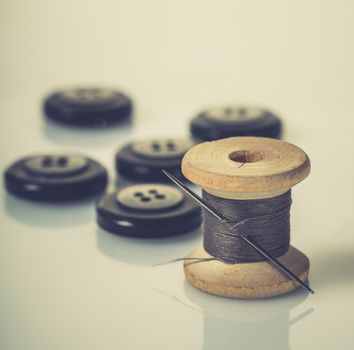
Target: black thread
264 221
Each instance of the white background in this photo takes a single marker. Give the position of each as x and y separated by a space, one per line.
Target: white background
65 284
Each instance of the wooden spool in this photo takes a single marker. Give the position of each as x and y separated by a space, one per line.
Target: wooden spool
245 168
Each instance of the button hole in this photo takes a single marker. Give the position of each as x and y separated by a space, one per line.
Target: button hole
242 111
62 161
171 146
47 162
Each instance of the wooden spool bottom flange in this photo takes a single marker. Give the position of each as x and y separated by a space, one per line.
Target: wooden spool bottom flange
246 280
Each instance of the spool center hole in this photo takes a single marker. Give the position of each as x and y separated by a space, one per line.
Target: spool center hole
246 156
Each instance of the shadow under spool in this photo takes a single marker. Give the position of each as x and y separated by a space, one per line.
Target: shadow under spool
246 179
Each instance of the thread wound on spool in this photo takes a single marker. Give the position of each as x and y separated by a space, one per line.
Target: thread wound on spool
265 221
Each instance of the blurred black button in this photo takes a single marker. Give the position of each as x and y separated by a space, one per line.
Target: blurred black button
148 210
88 106
56 177
144 160
221 122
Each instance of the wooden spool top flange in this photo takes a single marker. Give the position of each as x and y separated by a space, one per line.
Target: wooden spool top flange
246 167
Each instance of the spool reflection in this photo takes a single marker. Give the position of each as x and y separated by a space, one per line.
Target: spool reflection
247 324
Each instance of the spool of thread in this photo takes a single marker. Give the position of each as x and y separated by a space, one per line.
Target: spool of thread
247 180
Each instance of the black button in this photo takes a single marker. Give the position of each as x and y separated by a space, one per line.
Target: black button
144 160
56 177
221 122
88 106
148 210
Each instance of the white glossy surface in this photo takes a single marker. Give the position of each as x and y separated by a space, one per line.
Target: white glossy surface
65 284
